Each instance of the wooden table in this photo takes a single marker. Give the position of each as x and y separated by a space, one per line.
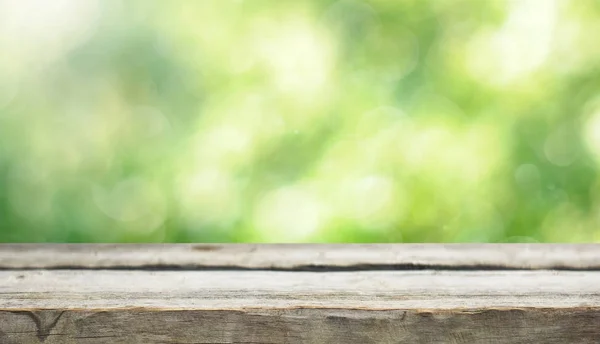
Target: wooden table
428 293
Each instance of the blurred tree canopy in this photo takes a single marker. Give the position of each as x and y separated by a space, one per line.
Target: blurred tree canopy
299 121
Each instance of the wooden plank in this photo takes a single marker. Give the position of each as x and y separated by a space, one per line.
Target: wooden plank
428 306
304 257
427 289
424 293
132 326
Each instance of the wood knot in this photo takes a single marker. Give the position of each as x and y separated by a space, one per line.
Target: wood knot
44 321
206 248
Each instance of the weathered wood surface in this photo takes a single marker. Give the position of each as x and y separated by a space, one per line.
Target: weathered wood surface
207 294
65 289
87 306
303 257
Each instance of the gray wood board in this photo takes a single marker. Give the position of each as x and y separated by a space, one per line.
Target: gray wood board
303 257
428 306
66 289
424 293
315 326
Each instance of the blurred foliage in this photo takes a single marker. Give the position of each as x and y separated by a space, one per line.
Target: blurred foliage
299 121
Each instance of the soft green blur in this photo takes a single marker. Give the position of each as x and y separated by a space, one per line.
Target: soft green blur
299 121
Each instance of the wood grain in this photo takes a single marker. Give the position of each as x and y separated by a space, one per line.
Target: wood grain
303 257
103 306
104 294
66 289
132 326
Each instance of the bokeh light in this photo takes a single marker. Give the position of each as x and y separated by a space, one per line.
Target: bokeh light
299 121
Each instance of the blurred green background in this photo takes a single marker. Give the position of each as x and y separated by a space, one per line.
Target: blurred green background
299 121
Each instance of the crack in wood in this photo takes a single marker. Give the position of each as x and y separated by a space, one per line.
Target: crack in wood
304 268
